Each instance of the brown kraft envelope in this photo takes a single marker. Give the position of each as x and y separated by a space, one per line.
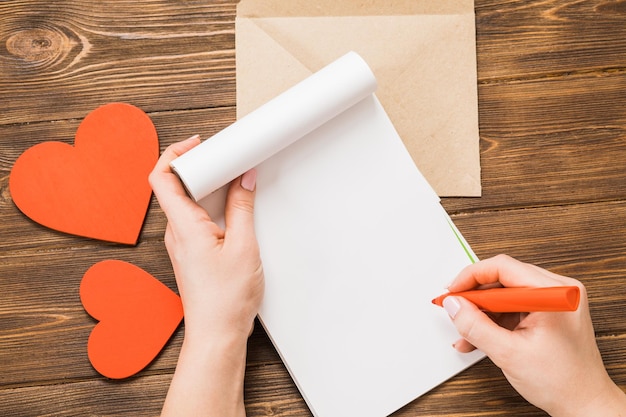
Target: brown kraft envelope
422 52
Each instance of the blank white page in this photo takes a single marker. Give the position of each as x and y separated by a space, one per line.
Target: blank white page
355 245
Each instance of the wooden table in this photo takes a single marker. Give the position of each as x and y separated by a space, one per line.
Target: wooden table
552 87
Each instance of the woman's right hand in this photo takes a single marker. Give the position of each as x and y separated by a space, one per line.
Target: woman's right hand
551 359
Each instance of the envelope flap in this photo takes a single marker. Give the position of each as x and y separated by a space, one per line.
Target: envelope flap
292 8
252 67
427 83
422 52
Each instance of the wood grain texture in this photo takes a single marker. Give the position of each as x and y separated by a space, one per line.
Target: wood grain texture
528 40
551 141
479 391
61 62
552 82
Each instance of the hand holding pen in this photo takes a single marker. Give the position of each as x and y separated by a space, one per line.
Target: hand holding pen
550 358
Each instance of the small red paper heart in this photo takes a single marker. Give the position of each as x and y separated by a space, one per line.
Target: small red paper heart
97 188
137 315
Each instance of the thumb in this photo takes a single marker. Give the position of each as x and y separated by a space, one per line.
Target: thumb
239 212
477 328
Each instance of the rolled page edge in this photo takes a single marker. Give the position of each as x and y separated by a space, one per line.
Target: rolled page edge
194 168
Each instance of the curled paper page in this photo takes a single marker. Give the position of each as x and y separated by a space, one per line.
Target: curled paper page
353 239
275 125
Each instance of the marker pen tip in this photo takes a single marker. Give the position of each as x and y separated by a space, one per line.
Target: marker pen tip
438 301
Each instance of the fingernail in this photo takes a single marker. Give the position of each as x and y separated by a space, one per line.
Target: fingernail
451 305
248 180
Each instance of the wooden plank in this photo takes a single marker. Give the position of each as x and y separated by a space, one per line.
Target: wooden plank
183 57
522 40
551 82
479 391
558 135
561 142
138 397
44 330
551 141
60 62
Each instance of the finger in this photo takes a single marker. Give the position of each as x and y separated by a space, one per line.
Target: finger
463 346
559 278
477 328
165 184
180 210
239 210
172 152
504 270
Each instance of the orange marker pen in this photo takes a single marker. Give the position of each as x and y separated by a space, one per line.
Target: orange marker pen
520 300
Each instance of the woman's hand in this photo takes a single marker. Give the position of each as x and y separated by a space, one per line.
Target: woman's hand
220 280
551 359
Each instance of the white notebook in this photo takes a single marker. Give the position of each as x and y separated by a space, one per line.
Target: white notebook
354 244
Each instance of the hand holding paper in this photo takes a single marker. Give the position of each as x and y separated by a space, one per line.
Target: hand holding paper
220 280
341 205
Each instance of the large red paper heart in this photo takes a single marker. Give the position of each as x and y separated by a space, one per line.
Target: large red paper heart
97 188
137 316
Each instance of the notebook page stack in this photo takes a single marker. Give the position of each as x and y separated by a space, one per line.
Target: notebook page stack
353 239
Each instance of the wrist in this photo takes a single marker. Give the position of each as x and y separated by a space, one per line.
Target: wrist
206 328
209 376
608 400
230 345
